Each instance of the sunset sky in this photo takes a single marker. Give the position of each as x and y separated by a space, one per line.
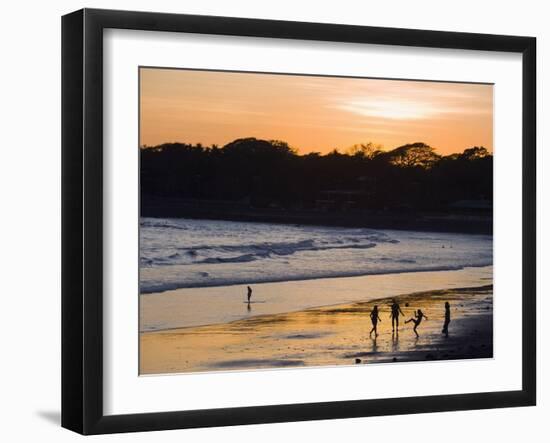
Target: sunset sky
312 113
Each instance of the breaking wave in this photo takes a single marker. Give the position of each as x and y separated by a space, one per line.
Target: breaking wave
180 253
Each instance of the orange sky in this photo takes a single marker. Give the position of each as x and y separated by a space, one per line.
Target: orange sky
312 113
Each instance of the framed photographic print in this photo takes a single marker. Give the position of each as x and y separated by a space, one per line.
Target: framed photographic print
269 221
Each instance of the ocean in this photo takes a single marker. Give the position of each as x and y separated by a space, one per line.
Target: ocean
184 253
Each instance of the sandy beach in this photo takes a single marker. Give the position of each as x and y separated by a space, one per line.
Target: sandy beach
189 307
328 336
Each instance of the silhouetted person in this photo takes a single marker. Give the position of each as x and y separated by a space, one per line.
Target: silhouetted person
374 318
394 314
418 316
249 295
445 329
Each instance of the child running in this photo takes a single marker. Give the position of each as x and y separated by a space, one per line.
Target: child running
374 318
418 316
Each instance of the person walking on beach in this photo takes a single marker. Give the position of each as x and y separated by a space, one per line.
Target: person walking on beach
374 318
394 314
445 329
249 295
418 316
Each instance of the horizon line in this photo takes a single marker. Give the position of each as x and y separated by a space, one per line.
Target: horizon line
377 147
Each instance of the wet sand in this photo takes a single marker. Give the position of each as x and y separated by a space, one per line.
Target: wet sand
328 336
191 307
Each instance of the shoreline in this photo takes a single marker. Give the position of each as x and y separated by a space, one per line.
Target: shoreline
327 335
305 279
379 300
192 307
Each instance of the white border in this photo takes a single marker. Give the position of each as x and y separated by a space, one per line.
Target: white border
125 392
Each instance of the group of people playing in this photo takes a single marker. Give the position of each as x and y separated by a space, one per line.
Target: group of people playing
395 311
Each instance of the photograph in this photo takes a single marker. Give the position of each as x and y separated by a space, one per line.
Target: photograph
292 221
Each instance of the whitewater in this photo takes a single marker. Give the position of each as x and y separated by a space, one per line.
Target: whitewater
184 253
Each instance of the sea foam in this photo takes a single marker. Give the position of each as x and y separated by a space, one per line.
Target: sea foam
181 253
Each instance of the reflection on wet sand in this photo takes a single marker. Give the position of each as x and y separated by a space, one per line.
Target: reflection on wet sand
332 335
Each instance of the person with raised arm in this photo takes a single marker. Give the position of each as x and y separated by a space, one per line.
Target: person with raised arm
418 316
394 314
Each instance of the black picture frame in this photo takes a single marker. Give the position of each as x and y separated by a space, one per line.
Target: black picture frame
82 220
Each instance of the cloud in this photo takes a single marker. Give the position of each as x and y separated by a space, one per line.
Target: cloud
390 109
394 107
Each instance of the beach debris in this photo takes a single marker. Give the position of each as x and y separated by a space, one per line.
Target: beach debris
357 361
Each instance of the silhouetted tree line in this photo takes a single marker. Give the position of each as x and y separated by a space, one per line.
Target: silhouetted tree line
264 174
